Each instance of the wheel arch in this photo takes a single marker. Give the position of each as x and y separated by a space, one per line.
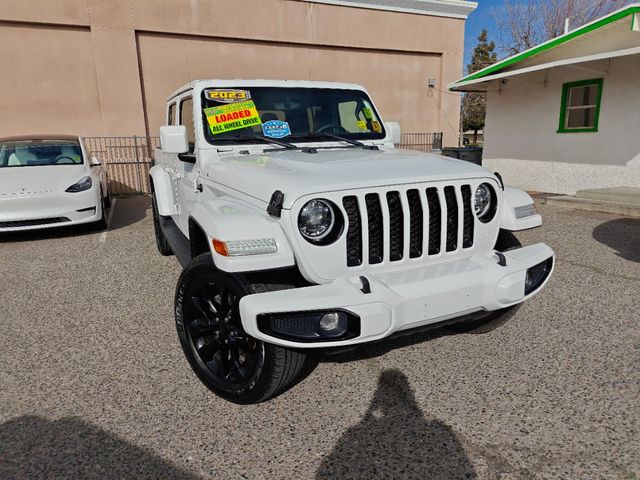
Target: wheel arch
198 239
515 198
162 188
226 219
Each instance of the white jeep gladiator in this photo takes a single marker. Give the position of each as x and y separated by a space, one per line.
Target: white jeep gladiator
300 227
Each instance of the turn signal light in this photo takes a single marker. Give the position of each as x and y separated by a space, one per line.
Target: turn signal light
220 247
232 248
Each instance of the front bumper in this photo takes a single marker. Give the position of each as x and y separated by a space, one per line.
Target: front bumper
22 212
406 299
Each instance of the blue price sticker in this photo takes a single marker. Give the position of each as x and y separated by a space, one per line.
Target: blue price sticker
276 129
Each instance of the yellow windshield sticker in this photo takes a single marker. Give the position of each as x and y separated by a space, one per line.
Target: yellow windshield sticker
362 126
367 113
227 95
376 126
233 116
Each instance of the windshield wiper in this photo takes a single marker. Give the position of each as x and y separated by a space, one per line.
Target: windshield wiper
281 143
342 139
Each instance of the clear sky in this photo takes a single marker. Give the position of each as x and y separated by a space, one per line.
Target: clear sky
479 19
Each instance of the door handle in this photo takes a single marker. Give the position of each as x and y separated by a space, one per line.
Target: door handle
198 187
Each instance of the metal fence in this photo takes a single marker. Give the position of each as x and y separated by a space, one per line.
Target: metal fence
128 159
422 142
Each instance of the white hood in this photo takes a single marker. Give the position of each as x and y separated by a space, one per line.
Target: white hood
296 173
40 179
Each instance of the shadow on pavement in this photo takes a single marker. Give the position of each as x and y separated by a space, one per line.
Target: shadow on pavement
378 348
623 235
394 440
130 210
33 447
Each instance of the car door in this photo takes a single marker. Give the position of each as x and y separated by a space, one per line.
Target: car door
187 171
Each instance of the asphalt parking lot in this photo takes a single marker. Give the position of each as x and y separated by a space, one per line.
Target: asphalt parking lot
94 384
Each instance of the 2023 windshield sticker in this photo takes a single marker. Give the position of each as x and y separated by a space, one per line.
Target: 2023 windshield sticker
232 116
227 95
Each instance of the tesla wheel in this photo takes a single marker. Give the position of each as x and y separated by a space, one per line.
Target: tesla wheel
232 364
506 241
161 241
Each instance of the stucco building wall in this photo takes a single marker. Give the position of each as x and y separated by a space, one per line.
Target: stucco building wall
521 139
105 68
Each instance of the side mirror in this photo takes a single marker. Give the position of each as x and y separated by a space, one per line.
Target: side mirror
394 131
173 139
94 162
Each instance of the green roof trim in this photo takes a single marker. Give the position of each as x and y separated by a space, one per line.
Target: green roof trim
550 44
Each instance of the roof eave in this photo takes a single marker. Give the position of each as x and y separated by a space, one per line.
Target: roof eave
549 44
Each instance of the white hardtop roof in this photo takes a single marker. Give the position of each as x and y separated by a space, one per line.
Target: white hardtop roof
240 83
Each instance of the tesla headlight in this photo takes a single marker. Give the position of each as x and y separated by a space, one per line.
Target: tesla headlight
80 185
316 220
485 202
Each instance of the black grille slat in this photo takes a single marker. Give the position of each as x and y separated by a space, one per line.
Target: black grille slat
467 226
33 223
374 214
452 218
396 226
354 232
435 217
416 231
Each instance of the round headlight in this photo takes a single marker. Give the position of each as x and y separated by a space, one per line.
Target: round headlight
316 220
484 202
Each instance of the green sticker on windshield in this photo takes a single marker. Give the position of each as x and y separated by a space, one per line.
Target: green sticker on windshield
233 116
367 113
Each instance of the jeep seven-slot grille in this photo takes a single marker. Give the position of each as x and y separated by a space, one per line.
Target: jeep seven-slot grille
432 218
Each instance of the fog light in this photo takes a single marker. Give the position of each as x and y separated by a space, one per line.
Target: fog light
329 321
310 326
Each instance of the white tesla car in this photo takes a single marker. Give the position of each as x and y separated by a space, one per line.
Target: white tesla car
49 181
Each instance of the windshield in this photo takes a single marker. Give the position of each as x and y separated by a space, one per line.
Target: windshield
35 153
246 115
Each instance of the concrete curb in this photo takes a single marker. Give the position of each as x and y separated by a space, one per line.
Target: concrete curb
591 205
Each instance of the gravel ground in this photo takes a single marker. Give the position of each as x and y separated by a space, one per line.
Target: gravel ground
93 383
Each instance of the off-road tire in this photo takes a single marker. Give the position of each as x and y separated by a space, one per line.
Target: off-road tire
506 241
276 368
161 241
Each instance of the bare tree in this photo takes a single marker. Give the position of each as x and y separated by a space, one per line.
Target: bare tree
525 23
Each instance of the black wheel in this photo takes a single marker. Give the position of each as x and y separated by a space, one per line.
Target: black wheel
229 362
102 223
506 241
161 241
